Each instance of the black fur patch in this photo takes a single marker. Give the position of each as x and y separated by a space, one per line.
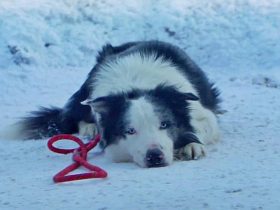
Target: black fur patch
75 111
112 120
109 50
185 138
177 103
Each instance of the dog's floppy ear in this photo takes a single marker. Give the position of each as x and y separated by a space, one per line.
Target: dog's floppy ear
171 93
104 105
191 97
99 105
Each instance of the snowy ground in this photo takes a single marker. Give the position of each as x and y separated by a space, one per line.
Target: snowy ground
46 46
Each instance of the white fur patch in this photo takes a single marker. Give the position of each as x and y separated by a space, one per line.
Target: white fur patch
136 71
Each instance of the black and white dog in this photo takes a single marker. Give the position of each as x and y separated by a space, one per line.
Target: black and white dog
148 100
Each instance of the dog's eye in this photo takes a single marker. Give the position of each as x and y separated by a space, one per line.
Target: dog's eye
164 125
130 131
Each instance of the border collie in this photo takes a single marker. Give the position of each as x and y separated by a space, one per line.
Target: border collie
148 100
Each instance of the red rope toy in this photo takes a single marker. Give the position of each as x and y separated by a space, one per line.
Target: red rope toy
79 158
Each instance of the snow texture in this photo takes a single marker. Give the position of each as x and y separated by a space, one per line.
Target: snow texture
48 47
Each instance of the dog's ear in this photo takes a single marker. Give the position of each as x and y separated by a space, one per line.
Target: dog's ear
171 93
104 105
191 97
99 105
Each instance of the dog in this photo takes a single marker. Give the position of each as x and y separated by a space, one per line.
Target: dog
148 100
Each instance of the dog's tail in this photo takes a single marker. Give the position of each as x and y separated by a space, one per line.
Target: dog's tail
40 124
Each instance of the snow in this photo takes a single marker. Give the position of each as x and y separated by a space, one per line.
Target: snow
48 47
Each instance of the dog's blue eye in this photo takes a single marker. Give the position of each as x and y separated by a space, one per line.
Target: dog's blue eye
164 125
130 131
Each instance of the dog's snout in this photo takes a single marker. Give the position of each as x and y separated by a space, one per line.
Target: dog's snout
155 158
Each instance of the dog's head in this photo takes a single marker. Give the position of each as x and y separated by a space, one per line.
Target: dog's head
144 126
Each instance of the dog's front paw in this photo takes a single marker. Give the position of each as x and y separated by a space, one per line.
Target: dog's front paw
87 129
192 151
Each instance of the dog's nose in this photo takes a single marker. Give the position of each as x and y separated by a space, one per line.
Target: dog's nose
155 158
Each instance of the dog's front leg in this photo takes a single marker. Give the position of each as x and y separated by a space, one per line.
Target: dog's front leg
191 151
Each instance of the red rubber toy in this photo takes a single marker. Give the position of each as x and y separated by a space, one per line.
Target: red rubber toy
79 158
